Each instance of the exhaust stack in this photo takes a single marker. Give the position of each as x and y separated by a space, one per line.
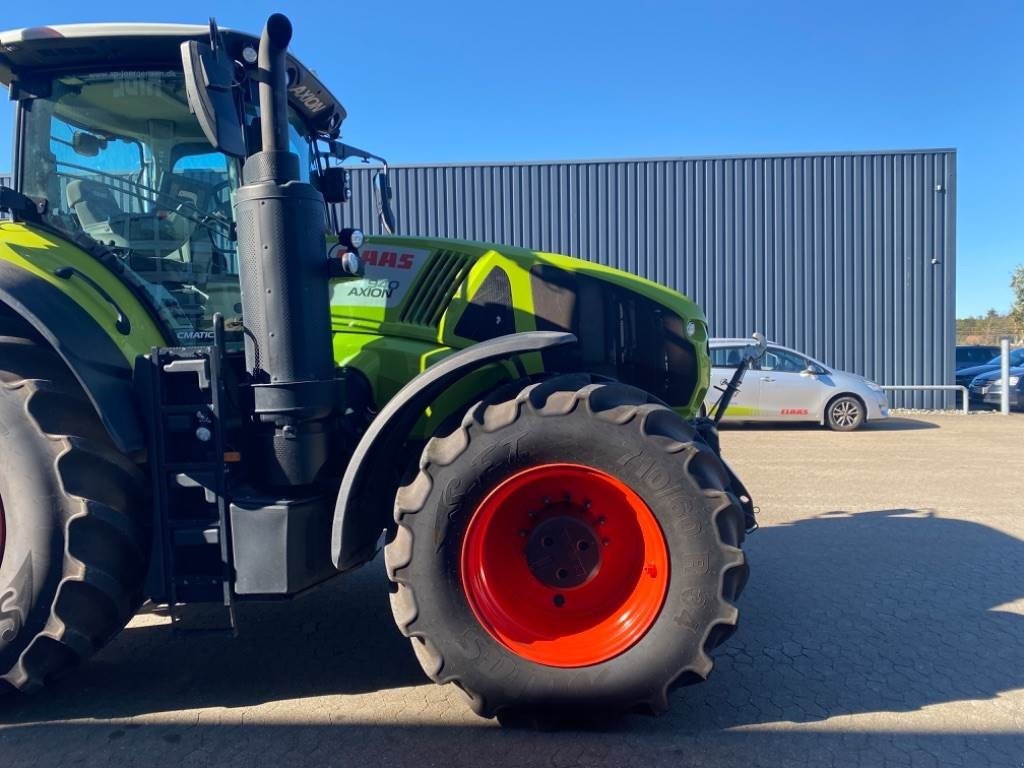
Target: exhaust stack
282 227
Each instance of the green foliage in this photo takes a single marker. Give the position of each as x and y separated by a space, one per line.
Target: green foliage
1017 310
985 329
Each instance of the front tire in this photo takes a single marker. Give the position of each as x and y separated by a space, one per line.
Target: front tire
493 603
845 414
72 552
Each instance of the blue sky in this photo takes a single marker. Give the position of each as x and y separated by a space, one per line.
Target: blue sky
471 80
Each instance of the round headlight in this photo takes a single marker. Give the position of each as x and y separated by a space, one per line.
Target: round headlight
356 238
249 54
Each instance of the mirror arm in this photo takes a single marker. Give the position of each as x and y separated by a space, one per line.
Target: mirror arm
342 151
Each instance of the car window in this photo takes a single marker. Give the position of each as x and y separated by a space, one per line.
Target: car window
1016 358
726 357
966 356
783 361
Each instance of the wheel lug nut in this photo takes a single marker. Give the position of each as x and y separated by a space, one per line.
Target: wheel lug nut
559 601
601 520
605 542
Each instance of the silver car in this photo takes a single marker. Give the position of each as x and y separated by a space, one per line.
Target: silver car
786 385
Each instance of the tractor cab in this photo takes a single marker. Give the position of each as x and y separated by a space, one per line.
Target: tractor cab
111 151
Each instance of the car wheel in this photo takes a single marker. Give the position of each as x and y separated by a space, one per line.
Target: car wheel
845 414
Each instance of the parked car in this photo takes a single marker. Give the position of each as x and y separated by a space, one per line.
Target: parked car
987 389
968 355
786 385
964 376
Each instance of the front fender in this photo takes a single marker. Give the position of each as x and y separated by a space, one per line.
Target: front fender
94 359
359 518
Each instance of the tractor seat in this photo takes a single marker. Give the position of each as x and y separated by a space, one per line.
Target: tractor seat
93 203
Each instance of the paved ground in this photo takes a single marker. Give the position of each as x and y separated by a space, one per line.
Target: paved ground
883 625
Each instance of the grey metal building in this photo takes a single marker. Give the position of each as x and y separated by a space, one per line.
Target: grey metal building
850 257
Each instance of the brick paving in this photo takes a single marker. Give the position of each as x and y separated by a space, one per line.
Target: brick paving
883 626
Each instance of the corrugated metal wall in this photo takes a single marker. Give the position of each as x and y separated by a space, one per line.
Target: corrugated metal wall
5 181
849 257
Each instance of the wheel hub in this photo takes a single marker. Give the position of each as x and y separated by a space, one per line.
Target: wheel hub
564 565
563 552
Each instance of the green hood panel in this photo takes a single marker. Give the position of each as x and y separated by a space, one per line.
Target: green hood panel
429 296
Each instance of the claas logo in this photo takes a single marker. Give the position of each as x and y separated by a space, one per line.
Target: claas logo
392 259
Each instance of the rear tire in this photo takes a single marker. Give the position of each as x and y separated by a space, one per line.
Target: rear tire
72 547
612 431
845 414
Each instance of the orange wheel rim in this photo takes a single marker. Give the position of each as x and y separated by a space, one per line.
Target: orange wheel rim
565 565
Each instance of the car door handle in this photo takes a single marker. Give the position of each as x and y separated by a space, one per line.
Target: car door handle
767 378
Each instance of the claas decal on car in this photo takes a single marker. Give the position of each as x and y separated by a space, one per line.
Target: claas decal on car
794 412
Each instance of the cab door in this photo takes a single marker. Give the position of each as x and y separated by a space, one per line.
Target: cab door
787 392
744 405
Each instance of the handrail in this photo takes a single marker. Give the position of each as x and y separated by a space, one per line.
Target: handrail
935 387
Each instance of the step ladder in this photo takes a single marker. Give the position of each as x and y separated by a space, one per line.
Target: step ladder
190 477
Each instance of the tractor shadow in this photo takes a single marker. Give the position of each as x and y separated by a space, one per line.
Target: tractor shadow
884 611
338 638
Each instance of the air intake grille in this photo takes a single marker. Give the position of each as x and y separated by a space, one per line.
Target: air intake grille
435 288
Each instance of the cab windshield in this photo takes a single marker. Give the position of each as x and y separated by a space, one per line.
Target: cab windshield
121 160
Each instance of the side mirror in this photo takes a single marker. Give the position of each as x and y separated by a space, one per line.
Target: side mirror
813 370
382 189
335 185
87 144
209 84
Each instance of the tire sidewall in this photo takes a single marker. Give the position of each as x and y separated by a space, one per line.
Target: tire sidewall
684 512
34 535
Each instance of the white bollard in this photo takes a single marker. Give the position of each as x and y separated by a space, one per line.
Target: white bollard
1005 376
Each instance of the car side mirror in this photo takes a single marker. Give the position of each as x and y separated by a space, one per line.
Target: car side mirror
813 370
383 193
209 87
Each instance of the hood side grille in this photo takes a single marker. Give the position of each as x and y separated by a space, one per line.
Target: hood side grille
433 291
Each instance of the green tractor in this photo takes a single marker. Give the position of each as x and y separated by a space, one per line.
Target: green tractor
210 392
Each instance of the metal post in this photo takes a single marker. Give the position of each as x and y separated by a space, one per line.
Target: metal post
1005 375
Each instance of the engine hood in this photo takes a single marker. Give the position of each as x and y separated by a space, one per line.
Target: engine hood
455 293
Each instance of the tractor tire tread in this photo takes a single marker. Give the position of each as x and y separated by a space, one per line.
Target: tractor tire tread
613 402
104 542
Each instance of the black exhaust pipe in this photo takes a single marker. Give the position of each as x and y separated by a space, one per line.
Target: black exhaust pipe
272 63
282 230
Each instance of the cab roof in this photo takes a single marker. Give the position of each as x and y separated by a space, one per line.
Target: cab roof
126 46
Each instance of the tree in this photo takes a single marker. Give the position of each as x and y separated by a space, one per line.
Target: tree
1017 310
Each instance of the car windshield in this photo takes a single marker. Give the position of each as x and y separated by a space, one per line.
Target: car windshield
121 160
